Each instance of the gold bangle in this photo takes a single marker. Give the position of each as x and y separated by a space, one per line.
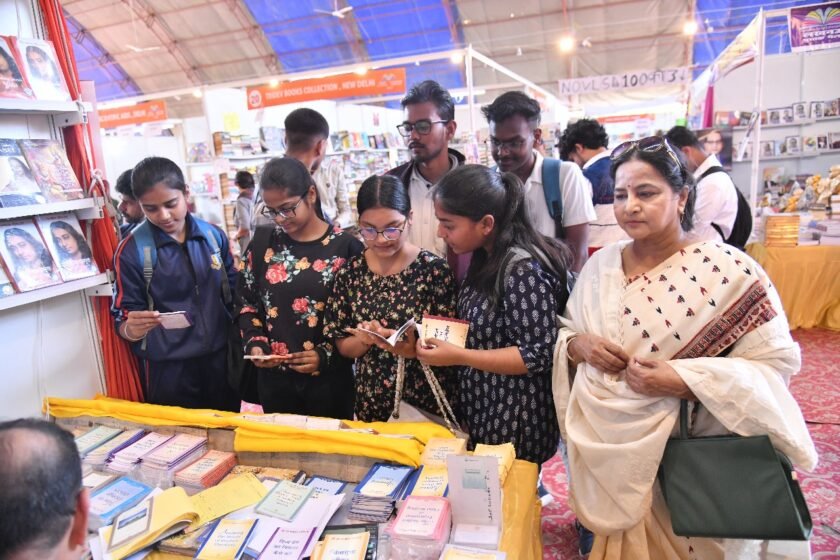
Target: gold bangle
569 347
127 337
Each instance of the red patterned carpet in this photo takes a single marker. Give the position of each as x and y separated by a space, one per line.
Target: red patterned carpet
817 388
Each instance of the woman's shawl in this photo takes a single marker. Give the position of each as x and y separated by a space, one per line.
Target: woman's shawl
703 300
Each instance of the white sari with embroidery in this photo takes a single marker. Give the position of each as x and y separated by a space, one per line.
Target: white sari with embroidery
687 310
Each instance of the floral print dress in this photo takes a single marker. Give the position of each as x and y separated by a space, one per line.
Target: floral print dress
283 312
425 286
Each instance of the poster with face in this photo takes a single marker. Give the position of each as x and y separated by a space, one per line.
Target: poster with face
717 142
26 256
17 183
13 82
41 65
68 247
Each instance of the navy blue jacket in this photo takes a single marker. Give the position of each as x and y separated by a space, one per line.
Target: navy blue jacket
603 186
183 280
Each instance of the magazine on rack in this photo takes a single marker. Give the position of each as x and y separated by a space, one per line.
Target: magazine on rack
18 186
26 256
40 63
68 246
51 169
13 82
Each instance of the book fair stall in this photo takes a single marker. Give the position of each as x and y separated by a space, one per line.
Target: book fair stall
170 482
783 141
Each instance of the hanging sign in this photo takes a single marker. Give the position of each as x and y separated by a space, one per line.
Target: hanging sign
375 82
814 27
628 80
150 111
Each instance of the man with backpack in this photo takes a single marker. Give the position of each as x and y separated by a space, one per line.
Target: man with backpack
721 212
559 196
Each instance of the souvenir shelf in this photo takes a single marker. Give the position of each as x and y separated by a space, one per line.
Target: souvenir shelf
98 285
65 113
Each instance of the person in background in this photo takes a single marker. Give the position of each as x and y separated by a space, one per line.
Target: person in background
128 207
244 211
180 366
307 138
654 320
281 312
717 201
515 287
514 120
584 142
400 281
43 505
428 129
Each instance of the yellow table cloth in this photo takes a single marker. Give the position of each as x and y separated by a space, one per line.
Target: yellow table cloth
808 281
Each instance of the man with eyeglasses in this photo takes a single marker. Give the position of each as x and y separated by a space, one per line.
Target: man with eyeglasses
514 120
716 206
43 505
428 128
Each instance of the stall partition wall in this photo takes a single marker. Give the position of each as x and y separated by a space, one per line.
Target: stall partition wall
788 78
49 347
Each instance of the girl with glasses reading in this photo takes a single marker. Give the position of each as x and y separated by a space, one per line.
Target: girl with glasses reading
282 293
392 282
651 321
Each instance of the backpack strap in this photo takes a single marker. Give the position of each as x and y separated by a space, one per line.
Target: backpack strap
214 238
709 171
513 256
147 253
552 180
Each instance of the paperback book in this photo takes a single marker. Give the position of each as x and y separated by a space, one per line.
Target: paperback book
13 82
372 529
375 496
18 186
95 437
26 257
51 169
67 245
41 67
284 500
228 540
114 498
99 456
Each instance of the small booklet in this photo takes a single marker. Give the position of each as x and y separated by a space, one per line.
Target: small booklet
92 439
229 495
429 481
284 500
448 329
457 552
324 485
436 450
391 340
372 529
228 540
342 547
287 544
175 320
504 452
110 500
424 518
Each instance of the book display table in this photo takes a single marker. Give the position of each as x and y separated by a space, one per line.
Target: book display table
341 454
808 281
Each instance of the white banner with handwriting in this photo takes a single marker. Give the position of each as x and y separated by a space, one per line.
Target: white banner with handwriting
628 80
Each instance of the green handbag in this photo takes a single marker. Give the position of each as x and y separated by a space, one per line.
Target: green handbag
731 487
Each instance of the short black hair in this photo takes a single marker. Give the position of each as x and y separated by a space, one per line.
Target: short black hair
153 170
305 127
681 137
244 180
513 103
123 184
587 132
431 91
39 486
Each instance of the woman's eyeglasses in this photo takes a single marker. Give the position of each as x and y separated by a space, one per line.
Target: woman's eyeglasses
389 233
649 144
423 127
284 213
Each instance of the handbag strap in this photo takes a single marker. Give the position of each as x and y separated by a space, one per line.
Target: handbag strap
683 419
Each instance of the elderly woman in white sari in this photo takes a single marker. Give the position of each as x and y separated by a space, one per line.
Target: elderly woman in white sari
651 321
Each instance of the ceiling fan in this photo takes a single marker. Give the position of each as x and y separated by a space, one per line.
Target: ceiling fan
336 12
135 48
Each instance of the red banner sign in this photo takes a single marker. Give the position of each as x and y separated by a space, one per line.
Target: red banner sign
150 111
375 82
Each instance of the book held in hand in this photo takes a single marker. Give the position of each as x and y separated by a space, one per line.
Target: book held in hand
448 329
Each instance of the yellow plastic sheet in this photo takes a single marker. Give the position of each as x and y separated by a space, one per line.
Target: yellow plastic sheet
808 281
262 437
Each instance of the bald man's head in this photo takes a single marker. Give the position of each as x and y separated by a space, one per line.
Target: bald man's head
40 490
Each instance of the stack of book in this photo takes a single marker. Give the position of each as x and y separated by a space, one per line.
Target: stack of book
92 439
421 529
112 499
504 452
457 552
102 454
128 458
158 467
208 471
376 495
372 529
337 546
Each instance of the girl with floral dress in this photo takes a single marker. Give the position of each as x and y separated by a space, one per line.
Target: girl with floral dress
392 282
281 313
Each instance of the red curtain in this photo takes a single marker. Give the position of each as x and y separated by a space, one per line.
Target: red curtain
121 377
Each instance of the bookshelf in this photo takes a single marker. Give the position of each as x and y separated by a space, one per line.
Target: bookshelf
85 209
64 113
100 281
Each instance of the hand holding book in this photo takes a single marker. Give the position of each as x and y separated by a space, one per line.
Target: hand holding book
262 360
399 341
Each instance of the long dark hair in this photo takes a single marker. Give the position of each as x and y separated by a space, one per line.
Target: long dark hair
670 164
383 191
38 50
475 191
13 66
290 176
81 242
46 260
